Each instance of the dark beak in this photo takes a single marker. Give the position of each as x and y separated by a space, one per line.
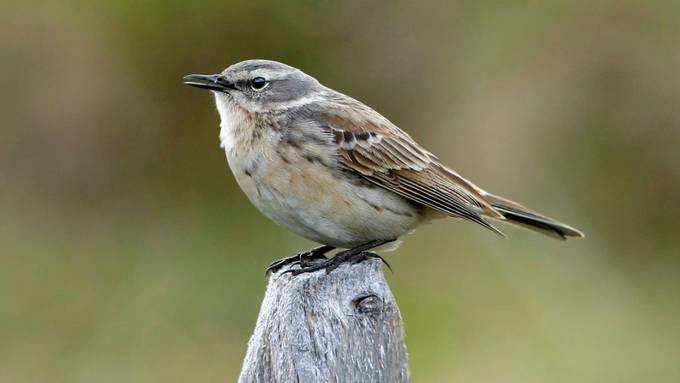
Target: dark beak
209 81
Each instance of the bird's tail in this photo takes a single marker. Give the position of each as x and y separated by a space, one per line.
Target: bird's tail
519 215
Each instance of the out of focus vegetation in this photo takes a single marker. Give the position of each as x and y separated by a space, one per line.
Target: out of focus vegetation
128 254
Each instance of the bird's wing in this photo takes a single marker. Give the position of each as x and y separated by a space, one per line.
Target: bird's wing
376 149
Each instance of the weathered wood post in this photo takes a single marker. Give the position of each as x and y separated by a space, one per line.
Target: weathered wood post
340 327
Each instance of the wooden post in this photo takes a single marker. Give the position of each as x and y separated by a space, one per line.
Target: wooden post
342 327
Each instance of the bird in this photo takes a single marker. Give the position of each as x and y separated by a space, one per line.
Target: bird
332 170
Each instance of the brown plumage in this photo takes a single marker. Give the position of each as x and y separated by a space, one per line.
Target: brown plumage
378 150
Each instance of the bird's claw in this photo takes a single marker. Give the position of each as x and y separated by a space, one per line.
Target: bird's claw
331 264
301 259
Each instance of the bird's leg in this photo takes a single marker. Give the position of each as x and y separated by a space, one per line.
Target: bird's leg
354 255
300 258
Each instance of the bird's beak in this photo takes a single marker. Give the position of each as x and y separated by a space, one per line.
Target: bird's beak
209 81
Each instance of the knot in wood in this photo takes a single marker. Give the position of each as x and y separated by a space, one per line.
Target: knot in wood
368 304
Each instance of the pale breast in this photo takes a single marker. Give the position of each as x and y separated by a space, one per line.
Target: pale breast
296 181
306 196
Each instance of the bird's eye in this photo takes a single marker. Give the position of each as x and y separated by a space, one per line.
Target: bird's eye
259 83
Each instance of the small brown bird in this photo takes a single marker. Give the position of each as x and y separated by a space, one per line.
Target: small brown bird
334 171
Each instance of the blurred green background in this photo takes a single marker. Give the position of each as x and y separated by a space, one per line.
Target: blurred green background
128 253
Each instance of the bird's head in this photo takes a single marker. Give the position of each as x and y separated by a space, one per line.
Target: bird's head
258 86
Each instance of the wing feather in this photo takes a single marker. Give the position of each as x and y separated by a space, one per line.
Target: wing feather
373 147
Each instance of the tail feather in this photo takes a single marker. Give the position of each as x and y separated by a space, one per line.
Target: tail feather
522 216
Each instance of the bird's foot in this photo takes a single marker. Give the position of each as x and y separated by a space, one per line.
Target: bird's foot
303 259
333 263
